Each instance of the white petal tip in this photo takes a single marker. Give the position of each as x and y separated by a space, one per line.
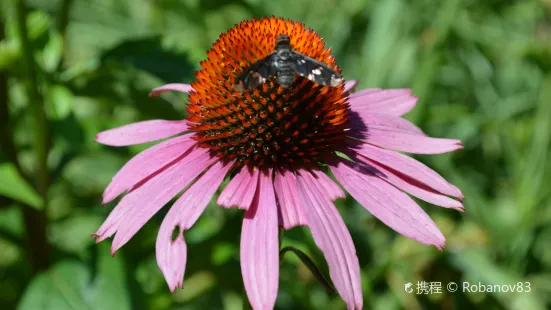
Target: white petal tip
156 92
185 88
102 139
115 246
350 86
440 247
99 236
228 205
458 145
221 202
179 285
257 306
98 138
354 306
96 237
106 198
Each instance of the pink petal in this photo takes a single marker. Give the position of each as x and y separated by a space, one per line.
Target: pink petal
240 191
285 186
330 188
141 132
367 121
350 85
412 187
396 133
393 101
138 206
393 207
145 164
333 238
260 246
412 144
171 257
171 254
405 142
185 88
409 167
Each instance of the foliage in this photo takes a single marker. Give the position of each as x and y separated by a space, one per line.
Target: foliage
480 68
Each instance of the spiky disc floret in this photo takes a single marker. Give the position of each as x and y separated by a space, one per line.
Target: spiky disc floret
269 124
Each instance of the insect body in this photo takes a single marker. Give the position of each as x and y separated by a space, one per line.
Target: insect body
284 64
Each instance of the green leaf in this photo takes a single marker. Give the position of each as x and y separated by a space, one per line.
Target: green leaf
10 52
149 55
38 24
72 285
89 174
52 52
73 233
60 100
15 187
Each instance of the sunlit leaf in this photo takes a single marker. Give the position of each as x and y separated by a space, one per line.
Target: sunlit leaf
53 51
60 100
15 187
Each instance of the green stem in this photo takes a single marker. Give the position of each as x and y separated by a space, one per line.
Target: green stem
35 221
6 142
62 24
63 17
311 266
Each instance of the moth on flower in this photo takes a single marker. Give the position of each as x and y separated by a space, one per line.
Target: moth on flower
276 142
284 63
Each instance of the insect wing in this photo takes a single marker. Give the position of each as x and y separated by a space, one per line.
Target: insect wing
316 71
255 74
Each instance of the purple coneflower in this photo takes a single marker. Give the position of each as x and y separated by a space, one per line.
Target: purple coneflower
276 145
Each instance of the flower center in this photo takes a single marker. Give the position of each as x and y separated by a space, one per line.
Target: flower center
269 123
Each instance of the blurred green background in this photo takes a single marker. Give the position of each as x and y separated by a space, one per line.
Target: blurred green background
69 69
